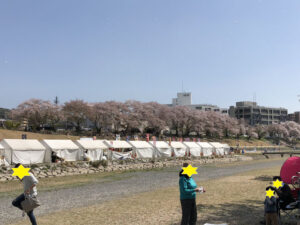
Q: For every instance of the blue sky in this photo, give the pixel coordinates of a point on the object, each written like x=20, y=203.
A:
x=223, y=51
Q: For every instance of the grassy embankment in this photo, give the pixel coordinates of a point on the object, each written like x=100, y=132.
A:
x=236, y=200
x=13, y=134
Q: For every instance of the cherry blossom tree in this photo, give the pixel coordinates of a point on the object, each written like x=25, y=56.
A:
x=77, y=112
x=261, y=131
x=38, y=113
x=100, y=115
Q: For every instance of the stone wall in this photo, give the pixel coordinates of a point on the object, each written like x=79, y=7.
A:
x=76, y=168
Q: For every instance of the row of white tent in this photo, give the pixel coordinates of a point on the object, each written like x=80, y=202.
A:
x=31, y=151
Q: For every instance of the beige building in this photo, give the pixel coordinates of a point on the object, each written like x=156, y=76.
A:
x=185, y=99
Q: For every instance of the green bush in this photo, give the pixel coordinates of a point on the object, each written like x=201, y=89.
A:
x=104, y=163
x=33, y=166
x=11, y=125
x=97, y=163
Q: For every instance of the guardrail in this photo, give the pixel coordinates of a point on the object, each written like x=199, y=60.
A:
x=282, y=153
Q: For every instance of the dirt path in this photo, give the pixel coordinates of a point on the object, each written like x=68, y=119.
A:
x=125, y=185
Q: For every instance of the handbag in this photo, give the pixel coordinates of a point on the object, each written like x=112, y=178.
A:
x=30, y=203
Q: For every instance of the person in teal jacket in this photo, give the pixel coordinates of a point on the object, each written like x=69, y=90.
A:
x=188, y=189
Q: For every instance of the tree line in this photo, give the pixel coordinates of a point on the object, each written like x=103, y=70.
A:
x=137, y=118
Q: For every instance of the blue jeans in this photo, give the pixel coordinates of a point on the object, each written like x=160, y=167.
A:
x=17, y=203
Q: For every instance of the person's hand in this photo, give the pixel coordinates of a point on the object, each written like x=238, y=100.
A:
x=198, y=190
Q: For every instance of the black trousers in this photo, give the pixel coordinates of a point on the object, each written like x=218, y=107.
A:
x=189, y=211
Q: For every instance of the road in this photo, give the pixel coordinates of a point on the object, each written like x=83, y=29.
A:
x=125, y=184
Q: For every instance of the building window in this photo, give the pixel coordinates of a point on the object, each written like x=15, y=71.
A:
x=247, y=111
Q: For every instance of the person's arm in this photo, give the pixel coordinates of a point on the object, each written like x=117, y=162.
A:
x=29, y=189
x=185, y=188
x=34, y=182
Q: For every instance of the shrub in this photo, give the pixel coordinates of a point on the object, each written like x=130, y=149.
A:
x=11, y=125
x=104, y=163
x=95, y=164
x=33, y=166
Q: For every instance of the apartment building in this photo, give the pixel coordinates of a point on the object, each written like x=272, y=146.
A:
x=294, y=117
x=254, y=114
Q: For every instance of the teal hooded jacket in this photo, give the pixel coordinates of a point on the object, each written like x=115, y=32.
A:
x=187, y=187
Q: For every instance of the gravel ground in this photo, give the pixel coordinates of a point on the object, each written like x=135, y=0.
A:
x=126, y=184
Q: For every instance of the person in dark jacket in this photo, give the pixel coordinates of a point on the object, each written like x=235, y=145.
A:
x=284, y=193
x=188, y=189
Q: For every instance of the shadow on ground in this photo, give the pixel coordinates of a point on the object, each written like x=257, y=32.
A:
x=246, y=213
x=264, y=178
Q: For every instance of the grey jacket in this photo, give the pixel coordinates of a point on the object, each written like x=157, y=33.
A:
x=270, y=205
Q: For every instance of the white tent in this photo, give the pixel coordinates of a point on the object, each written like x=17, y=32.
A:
x=65, y=149
x=179, y=149
x=226, y=148
x=162, y=149
x=119, y=149
x=24, y=151
x=142, y=149
x=206, y=148
x=193, y=148
x=93, y=149
x=1, y=150
x=3, y=161
x=218, y=148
